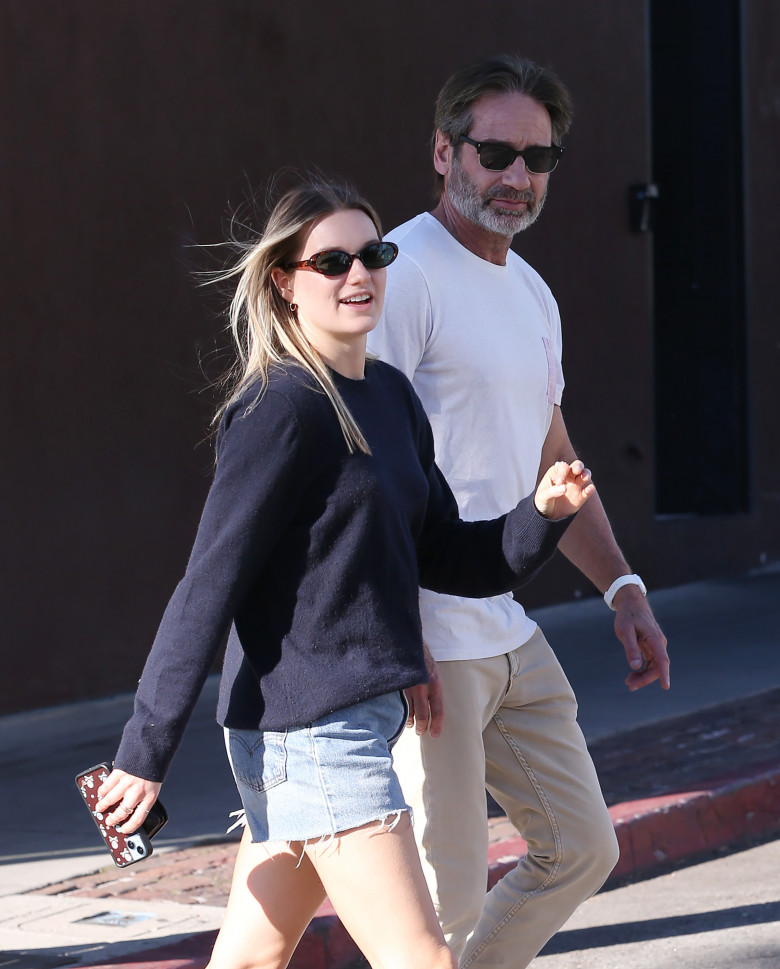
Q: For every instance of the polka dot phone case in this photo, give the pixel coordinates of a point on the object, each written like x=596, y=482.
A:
x=125, y=849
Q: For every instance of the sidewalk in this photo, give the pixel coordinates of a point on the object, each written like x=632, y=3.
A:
x=685, y=773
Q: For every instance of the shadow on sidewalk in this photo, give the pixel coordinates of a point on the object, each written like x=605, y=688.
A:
x=575, y=940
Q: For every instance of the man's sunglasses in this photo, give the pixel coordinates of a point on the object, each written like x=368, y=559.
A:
x=336, y=262
x=497, y=157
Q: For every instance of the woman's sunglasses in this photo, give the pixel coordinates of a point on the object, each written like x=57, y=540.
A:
x=336, y=262
x=497, y=157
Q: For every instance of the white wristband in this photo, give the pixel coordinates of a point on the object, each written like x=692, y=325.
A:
x=619, y=582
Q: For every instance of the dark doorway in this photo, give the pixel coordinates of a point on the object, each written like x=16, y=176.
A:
x=699, y=286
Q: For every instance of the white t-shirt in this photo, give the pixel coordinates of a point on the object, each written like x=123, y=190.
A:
x=482, y=345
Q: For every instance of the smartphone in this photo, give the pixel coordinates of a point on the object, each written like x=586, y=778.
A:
x=125, y=849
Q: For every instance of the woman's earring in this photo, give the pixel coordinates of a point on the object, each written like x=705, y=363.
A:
x=293, y=308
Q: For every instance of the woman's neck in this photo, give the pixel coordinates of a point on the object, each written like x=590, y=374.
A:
x=347, y=358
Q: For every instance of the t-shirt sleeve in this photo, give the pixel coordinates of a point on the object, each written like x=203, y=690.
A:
x=256, y=487
x=406, y=323
x=555, y=348
x=553, y=340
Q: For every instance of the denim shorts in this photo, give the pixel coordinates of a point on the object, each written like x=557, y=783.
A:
x=317, y=780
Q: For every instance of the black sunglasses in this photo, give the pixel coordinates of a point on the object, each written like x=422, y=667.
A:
x=497, y=157
x=336, y=262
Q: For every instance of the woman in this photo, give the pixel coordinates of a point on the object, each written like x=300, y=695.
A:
x=325, y=515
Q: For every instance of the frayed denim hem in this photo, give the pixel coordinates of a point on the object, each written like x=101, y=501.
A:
x=388, y=822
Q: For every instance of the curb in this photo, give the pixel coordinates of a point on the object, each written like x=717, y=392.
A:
x=652, y=833
x=659, y=830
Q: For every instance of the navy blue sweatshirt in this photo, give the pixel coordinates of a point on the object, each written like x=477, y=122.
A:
x=312, y=557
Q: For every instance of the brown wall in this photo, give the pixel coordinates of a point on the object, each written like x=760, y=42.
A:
x=129, y=130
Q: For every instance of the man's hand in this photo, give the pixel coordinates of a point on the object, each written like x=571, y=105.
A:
x=426, y=701
x=642, y=639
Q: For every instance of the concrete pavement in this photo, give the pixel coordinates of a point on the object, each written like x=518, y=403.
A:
x=684, y=772
x=723, y=913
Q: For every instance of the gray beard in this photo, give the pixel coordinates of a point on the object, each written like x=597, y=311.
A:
x=466, y=199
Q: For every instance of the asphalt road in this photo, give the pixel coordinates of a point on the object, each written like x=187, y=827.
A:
x=722, y=639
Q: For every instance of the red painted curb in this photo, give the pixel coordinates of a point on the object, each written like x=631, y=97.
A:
x=656, y=831
x=651, y=833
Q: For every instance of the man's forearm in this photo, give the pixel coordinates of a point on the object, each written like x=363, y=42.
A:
x=590, y=545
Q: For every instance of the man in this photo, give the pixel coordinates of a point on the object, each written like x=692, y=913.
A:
x=478, y=333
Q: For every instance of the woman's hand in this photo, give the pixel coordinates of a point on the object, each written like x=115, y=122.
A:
x=564, y=488
x=126, y=800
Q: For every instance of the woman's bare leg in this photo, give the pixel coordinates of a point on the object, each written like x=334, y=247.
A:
x=375, y=883
x=272, y=900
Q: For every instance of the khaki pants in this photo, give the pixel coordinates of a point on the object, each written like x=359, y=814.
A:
x=509, y=724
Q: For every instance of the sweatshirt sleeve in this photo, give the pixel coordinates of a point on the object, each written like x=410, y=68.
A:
x=480, y=558
x=257, y=484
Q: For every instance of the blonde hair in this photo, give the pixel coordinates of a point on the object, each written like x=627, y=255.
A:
x=263, y=324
